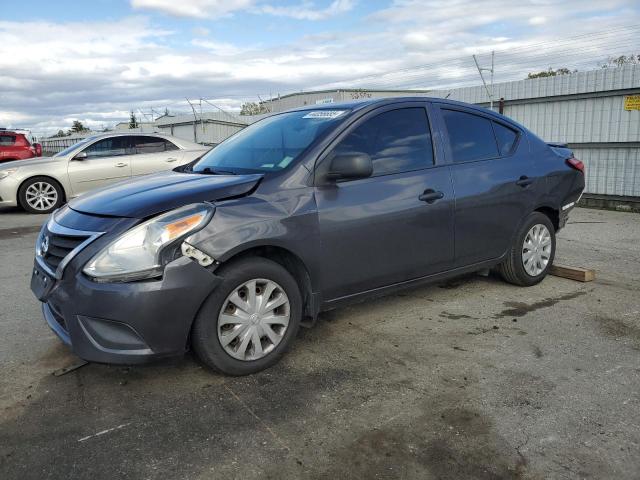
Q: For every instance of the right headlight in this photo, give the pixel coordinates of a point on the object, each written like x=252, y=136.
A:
x=137, y=254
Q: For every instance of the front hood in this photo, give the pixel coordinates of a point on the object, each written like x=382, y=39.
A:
x=32, y=162
x=160, y=192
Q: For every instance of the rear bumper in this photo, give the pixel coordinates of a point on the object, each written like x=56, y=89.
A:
x=129, y=323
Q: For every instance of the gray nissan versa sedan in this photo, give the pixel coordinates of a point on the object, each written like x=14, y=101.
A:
x=298, y=213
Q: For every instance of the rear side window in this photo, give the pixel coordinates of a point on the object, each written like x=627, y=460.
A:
x=397, y=141
x=144, y=144
x=506, y=138
x=7, y=140
x=109, y=147
x=470, y=136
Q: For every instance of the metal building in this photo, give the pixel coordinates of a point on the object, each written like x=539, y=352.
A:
x=210, y=128
x=323, y=97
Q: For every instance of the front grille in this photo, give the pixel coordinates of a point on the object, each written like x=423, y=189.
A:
x=59, y=247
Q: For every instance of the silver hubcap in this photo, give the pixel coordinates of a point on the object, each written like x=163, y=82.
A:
x=41, y=196
x=254, y=319
x=536, y=250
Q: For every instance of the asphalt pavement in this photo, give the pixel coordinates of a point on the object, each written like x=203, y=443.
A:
x=472, y=378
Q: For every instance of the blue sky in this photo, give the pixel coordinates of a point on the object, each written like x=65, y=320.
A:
x=95, y=61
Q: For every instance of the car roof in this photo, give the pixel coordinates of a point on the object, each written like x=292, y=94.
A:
x=179, y=141
x=371, y=103
x=360, y=104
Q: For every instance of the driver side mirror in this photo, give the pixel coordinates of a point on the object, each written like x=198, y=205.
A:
x=350, y=166
x=81, y=156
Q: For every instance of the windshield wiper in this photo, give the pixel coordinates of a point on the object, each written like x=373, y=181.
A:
x=211, y=171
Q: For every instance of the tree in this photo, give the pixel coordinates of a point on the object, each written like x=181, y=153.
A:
x=133, y=121
x=78, y=127
x=613, y=62
x=253, y=108
x=550, y=73
x=59, y=134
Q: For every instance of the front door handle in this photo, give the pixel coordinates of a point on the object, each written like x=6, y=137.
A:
x=524, y=181
x=121, y=164
x=430, y=196
x=172, y=159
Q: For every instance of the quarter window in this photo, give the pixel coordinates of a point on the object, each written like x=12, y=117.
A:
x=470, y=136
x=109, y=147
x=506, y=138
x=397, y=141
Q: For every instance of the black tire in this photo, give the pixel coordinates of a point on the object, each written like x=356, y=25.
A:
x=512, y=269
x=204, y=338
x=22, y=194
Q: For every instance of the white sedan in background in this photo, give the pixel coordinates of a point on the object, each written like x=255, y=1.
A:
x=43, y=184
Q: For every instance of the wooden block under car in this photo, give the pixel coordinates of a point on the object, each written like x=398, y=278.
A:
x=573, y=273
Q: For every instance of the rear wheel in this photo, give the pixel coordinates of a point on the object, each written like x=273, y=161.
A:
x=40, y=195
x=532, y=253
x=250, y=320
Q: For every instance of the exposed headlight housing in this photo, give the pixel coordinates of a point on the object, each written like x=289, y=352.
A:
x=9, y=171
x=138, y=253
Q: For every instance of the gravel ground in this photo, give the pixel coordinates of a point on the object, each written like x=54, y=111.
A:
x=472, y=378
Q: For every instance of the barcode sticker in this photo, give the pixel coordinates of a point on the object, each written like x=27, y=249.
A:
x=324, y=114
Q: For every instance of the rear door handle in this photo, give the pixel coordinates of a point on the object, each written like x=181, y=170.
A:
x=430, y=196
x=121, y=164
x=172, y=159
x=524, y=181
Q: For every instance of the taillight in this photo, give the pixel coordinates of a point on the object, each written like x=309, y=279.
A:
x=575, y=163
x=38, y=149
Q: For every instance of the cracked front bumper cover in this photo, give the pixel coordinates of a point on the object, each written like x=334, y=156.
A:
x=128, y=323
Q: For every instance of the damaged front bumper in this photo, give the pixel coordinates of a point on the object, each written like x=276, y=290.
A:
x=124, y=323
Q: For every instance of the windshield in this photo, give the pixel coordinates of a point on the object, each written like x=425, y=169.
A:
x=271, y=144
x=75, y=146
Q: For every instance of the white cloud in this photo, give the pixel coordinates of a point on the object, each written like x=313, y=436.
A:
x=194, y=8
x=308, y=11
x=98, y=71
x=200, y=31
x=537, y=20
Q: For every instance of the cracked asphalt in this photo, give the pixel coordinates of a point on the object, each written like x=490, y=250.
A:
x=468, y=379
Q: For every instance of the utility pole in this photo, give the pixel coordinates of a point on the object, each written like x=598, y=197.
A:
x=195, y=122
x=480, y=70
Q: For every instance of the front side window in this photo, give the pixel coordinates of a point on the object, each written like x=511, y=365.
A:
x=470, y=136
x=271, y=144
x=109, y=147
x=146, y=144
x=397, y=141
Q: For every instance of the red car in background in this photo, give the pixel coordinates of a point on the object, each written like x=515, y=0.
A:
x=18, y=145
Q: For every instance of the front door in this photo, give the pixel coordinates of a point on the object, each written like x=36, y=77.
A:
x=396, y=225
x=107, y=161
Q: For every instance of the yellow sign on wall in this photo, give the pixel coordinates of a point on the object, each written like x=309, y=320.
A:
x=632, y=102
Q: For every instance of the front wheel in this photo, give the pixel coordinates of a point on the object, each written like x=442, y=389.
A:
x=532, y=253
x=250, y=319
x=40, y=195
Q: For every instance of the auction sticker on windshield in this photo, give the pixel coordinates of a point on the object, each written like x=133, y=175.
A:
x=324, y=114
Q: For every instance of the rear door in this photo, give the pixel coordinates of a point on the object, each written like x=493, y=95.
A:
x=154, y=154
x=379, y=231
x=494, y=179
x=108, y=161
